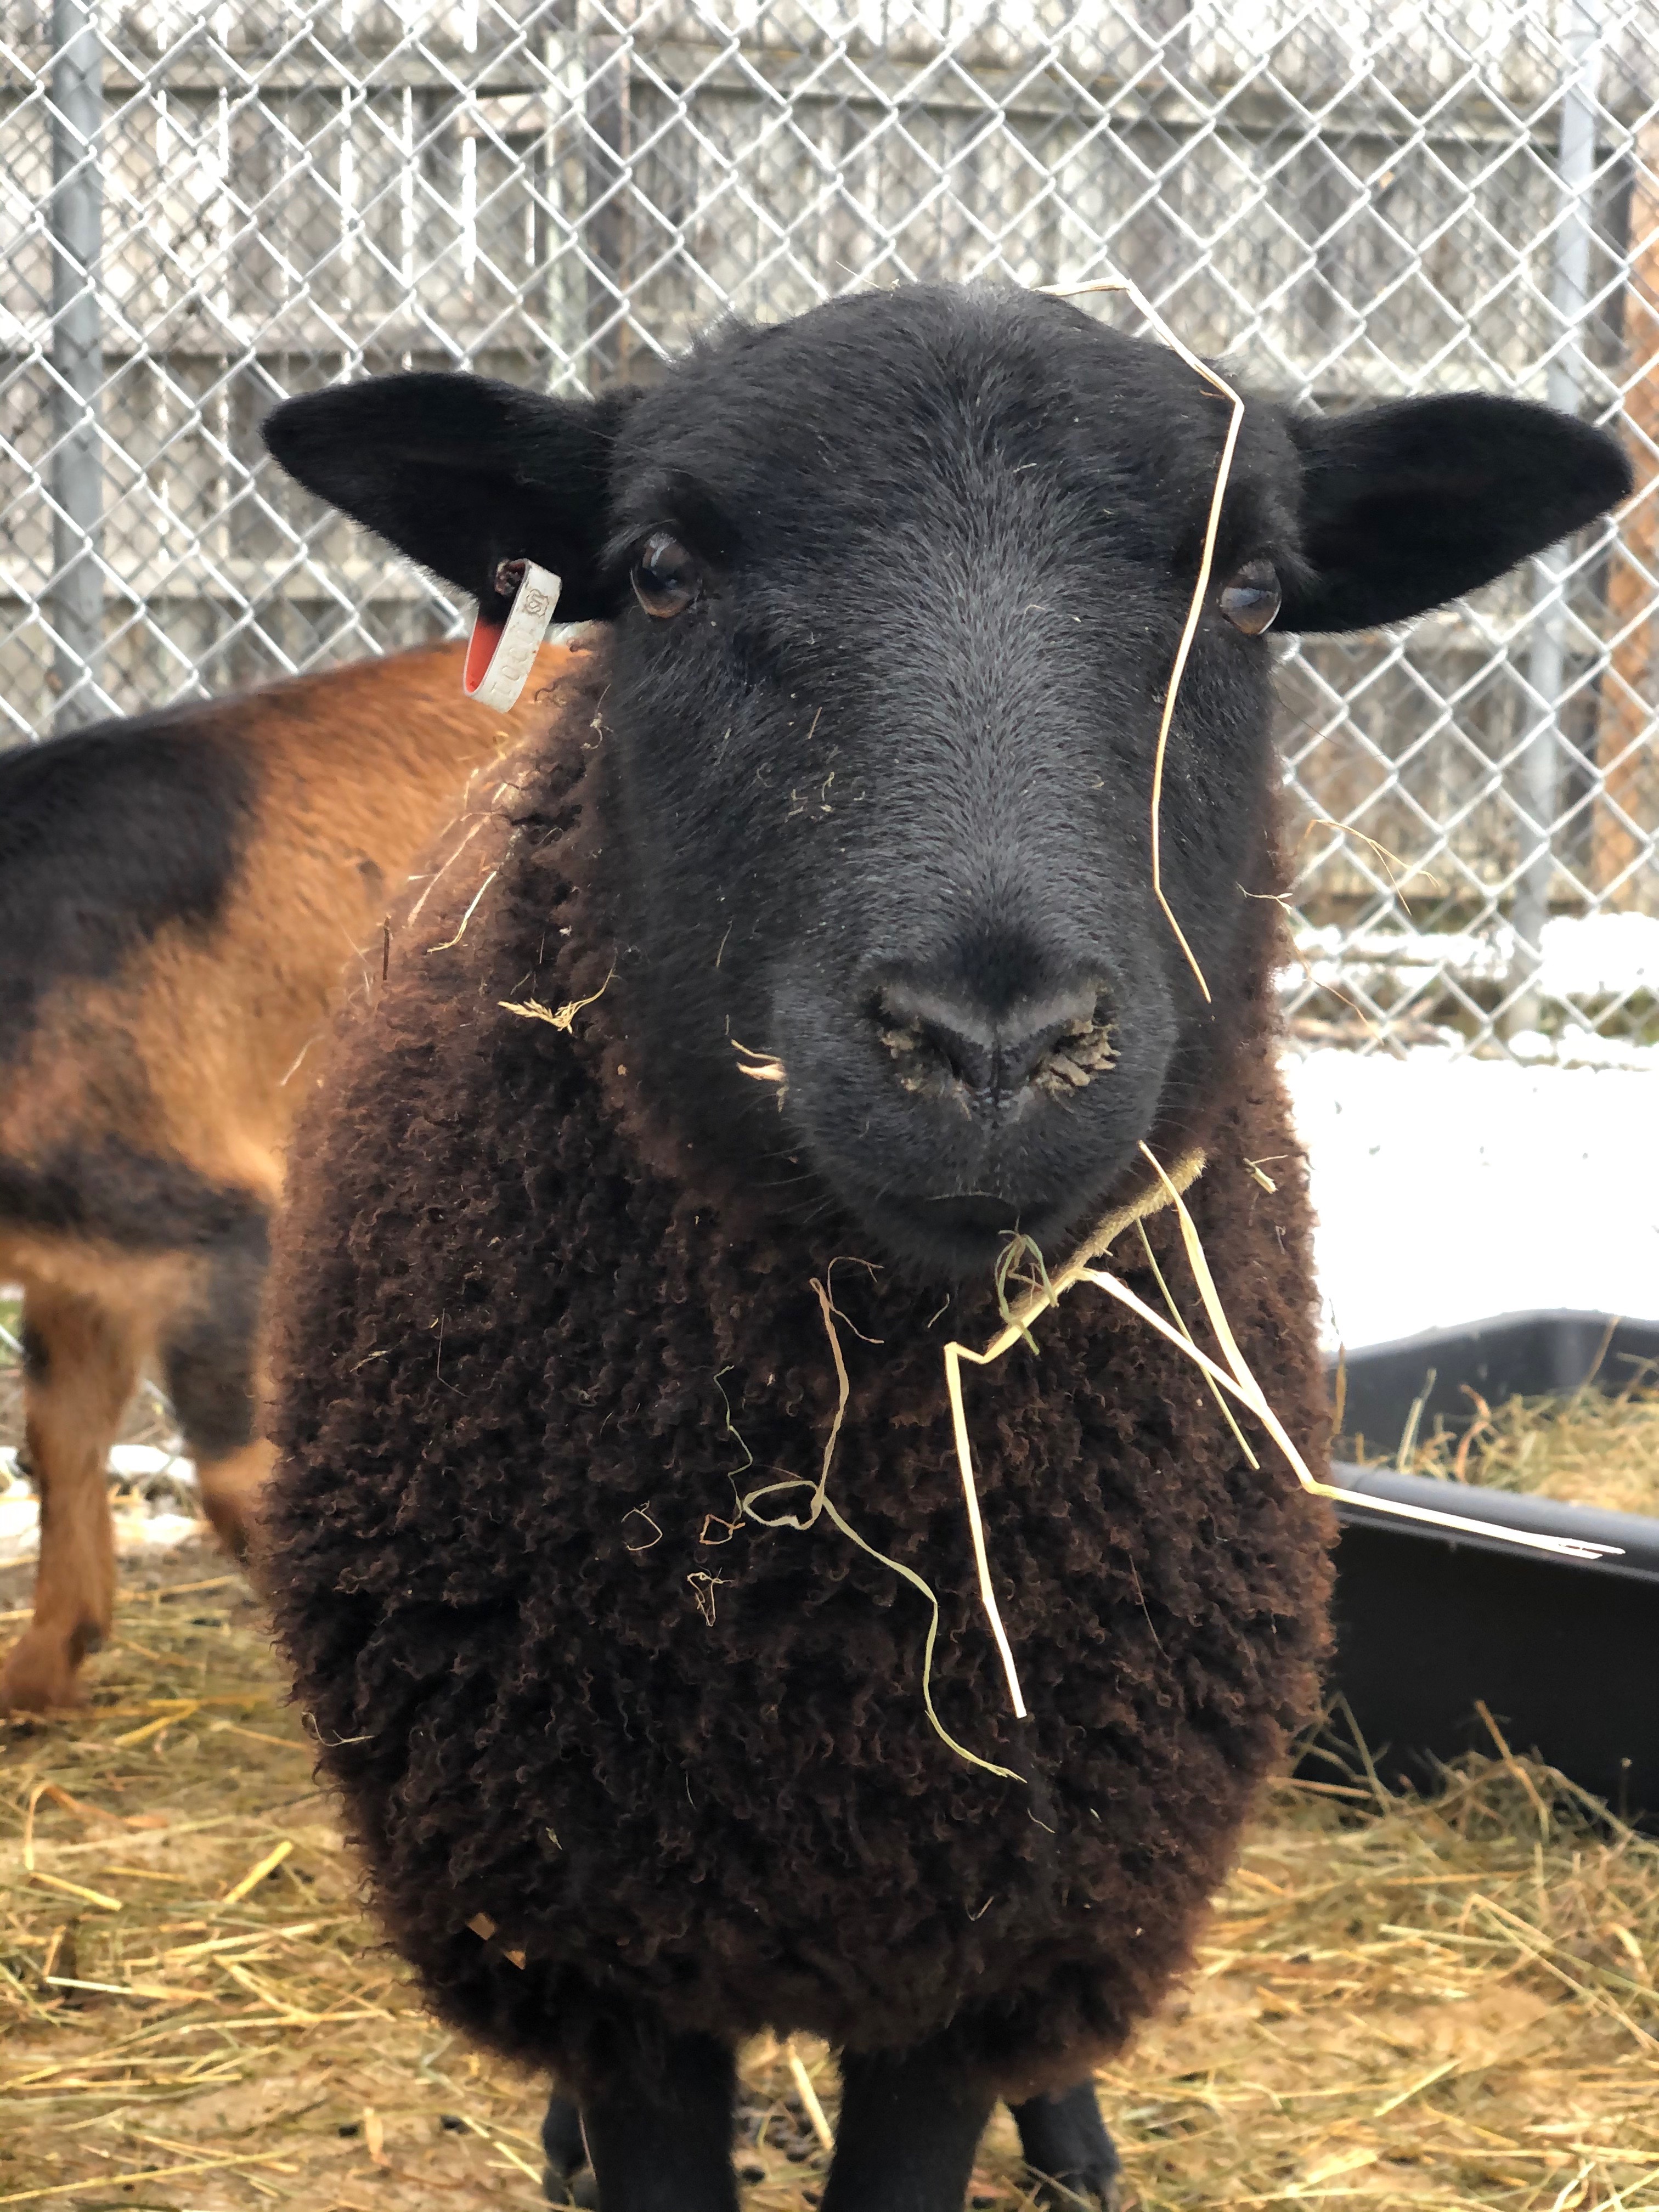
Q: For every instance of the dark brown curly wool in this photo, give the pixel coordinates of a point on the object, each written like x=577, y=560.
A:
x=528, y=1363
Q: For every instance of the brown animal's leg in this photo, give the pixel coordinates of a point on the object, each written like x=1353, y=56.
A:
x=81, y=1362
x=230, y=1493
x=208, y=1355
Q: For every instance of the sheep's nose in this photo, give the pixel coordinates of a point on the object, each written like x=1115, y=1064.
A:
x=941, y=1039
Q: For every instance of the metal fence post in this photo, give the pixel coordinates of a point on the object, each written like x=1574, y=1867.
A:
x=1539, y=780
x=77, y=358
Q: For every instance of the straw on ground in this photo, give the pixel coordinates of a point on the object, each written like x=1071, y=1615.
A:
x=1398, y=2003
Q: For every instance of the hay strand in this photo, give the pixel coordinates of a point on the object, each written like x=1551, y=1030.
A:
x=761, y=1067
x=1176, y=1316
x=954, y=1356
x=1046, y=1292
x=809, y=2096
x=1235, y=1377
x=94, y=1897
x=533, y=1010
x=823, y=1506
x=1243, y=1383
x=449, y=943
x=257, y=1873
x=1144, y=306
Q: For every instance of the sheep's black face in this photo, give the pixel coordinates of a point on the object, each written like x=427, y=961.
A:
x=898, y=589
x=904, y=586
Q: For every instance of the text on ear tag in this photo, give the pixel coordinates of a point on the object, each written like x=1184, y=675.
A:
x=501, y=655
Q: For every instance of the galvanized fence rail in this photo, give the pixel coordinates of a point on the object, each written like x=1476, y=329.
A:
x=203, y=206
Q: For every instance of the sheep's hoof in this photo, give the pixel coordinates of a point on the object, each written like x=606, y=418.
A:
x=1096, y=2187
x=568, y=2179
x=1067, y=2147
x=1099, y=2191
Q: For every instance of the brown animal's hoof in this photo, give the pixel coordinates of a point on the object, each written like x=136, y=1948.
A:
x=39, y=1675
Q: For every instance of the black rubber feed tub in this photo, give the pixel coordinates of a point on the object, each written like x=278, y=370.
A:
x=1564, y=1654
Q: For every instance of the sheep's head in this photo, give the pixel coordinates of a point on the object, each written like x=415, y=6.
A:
x=896, y=590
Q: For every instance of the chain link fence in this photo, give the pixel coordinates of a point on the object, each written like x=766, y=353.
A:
x=205, y=206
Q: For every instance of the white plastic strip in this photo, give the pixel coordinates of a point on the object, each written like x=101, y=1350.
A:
x=501, y=655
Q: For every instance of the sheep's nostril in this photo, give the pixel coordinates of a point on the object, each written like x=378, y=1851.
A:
x=1083, y=1050
x=970, y=1059
x=940, y=1043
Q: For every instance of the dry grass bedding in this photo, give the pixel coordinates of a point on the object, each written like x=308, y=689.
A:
x=1592, y=1447
x=1426, y=2003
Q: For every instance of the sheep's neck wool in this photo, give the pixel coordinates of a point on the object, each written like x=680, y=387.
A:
x=531, y=1351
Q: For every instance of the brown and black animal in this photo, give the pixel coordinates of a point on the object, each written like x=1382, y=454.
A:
x=835, y=876
x=183, y=897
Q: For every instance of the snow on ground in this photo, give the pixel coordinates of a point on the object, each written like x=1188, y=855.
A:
x=1449, y=1188
x=1597, y=956
x=141, y=1525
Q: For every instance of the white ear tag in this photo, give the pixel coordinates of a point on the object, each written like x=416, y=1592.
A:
x=501, y=655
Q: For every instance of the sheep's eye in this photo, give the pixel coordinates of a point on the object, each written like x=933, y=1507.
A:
x=665, y=576
x=1252, y=599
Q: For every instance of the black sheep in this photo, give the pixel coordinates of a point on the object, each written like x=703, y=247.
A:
x=841, y=857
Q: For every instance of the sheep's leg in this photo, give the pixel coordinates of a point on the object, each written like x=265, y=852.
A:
x=909, y=2126
x=563, y=2146
x=81, y=1365
x=1065, y=2143
x=660, y=2134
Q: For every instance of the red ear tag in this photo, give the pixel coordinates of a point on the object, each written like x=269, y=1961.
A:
x=501, y=655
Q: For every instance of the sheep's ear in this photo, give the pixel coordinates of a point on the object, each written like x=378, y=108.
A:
x=462, y=472
x=1404, y=506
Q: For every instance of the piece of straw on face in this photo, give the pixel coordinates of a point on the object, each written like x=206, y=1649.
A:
x=1144, y=306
